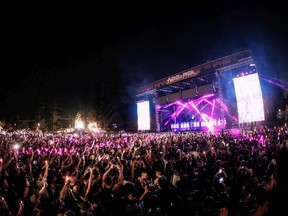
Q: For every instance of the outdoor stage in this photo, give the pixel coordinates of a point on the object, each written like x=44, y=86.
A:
x=203, y=97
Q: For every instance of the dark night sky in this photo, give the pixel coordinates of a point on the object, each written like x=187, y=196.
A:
x=71, y=49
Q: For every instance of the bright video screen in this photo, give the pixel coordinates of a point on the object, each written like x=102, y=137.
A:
x=143, y=115
x=249, y=98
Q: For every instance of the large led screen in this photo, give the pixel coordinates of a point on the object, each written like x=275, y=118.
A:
x=143, y=115
x=249, y=98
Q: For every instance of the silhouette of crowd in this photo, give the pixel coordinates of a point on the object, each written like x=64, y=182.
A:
x=172, y=173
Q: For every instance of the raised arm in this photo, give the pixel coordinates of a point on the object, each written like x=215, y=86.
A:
x=32, y=156
x=106, y=174
x=64, y=190
x=26, y=190
x=5, y=206
x=45, y=175
x=146, y=190
x=71, y=161
x=42, y=190
x=89, y=184
x=76, y=170
x=120, y=178
x=21, y=208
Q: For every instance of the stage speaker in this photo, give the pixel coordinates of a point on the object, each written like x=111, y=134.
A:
x=173, y=97
x=207, y=89
x=190, y=93
x=161, y=100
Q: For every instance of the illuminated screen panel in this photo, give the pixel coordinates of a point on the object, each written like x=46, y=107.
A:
x=249, y=98
x=143, y=115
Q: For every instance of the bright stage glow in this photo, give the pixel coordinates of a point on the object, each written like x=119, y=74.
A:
x=249, y=98
x=143, y=114
x=79, y=124
x=93, y=127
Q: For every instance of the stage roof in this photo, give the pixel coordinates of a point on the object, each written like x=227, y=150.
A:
x=197, y=76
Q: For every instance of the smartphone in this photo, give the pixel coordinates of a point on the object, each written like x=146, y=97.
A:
x=221, y=180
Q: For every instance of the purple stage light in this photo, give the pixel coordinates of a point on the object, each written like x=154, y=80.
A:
x=206, y=112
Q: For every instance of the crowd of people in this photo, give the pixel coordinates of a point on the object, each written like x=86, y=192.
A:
x=171, y=173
